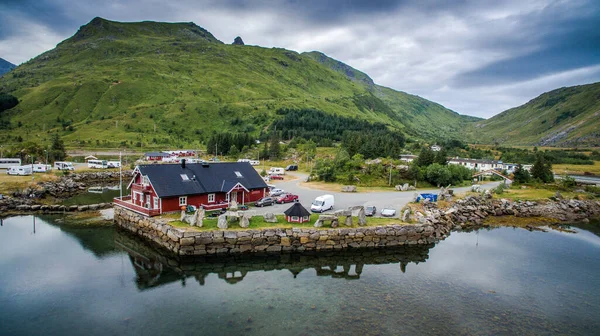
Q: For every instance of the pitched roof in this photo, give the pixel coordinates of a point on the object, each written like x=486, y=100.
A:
x=157, y=154
x=297, y=210
x=198, y=178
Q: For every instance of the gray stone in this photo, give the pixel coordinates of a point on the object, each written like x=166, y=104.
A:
x=270, y=217
x=406, y=215
x=244, y=222
x=222, y=222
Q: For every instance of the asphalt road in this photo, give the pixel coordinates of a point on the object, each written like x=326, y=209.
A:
x=394, y=199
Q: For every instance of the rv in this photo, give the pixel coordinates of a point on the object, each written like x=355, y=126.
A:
x=251, y=162
x=113, y=164
x=42, y=168
x=19, y=170
x=61, y=165
x=322, y=203
x=101, y=164
x=6, y=163
x=276, y=171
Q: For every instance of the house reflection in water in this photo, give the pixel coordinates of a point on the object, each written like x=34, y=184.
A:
x=154, y=268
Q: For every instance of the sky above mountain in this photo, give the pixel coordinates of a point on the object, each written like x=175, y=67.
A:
x=476, y=57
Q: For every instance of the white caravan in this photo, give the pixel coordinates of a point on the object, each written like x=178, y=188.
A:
x=19, y=170
x=41, y=168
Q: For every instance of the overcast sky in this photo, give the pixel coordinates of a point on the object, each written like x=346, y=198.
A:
x=475, y=57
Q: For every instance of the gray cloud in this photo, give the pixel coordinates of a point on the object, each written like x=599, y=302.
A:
x=475, y=57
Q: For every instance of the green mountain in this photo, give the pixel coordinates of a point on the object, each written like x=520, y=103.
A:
x=113, y=84
x=5, y=66
x=565, y=117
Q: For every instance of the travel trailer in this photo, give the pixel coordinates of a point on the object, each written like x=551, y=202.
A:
x=42, y=168
x=19, y=170
x=276, y=171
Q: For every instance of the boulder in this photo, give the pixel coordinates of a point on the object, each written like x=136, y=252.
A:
x=222, y=222
x=244, y=221
x=270, y=217
x=406, y=215
x=349, y=188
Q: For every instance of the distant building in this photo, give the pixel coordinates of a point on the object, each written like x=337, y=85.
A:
x=477, y=164
x=407, y=158
x=157, y=156
x=436, y=148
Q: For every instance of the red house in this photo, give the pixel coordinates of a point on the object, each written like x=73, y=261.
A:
x=156, y=156
x=168, y=187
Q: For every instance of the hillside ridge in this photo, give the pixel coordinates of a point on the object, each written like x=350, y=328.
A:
x=154, y=83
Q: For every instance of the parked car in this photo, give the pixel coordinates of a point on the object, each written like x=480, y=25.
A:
x=264, y=201
x=287, y=198
x=276, y=177
x=370, y=210
x=388, y=212
x=276, y=192
x=291, y=167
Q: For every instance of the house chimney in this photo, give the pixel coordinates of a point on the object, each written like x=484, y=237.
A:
x=183, y=163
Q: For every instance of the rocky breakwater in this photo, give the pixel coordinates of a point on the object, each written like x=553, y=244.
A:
x=473, y=210
x=11, y=205
x=190, y=241
x=100, y=176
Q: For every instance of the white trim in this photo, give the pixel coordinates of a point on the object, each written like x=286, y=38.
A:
x=185, y=200
x=209, y=198
x=134, y=175
x=154, y=203
x=235, y=186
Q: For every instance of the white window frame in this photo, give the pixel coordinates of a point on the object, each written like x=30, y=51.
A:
x=295, y=218
x=145, y=180
x=184, y=198
x=211, y=198
x=155, y=202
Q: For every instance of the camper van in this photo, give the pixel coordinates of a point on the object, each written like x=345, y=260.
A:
x=61, y=165
x=19, y=170
x=252, y=162
x=276, y=171
x=6, y=163
x=322, y=203
x=113, y=164
x=42, y=168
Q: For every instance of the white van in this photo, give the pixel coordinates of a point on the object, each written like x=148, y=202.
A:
x=276, y=171
x=41, y=168
x=113, y=164
x=322, y=203
x=19, y=170
x=61, y=165
x=254, y=162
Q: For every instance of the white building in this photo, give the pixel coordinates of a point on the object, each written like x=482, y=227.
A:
x=436, y=148
x=477, y=164
x=408, y=158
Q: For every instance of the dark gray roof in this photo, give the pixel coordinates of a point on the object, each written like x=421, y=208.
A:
x=201, y=178
x=157, y=154
x=297, y=210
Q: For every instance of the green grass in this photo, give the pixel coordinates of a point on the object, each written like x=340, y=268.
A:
x=173, y=84
x=257, y=222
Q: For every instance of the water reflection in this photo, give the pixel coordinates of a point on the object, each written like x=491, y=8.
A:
x=155, y=268
x=101, y=193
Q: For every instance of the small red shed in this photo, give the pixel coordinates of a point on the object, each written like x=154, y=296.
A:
x=297, y=214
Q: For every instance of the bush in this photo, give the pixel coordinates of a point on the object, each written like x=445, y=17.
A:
x=438, y=175
x=499, y=190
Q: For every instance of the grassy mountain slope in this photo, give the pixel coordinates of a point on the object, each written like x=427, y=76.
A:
x=421, y=117
x=563, y=117
x=5, y=66
x=174, y=83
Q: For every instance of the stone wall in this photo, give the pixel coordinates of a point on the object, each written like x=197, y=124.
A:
x=191, y=242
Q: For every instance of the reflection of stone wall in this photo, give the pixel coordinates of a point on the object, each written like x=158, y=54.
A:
x=155, y=268
x=190, y=242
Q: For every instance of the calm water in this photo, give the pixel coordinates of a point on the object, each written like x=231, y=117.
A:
x=64, y=279
x=97, y=194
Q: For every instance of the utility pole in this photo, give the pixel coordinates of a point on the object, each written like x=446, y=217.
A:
x=120, y=177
